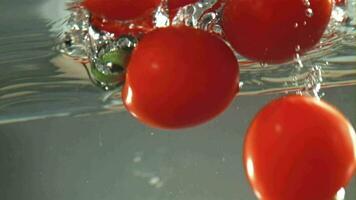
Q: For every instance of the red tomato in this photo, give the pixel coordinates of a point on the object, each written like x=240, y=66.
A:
x=340, y=2
x=179, y=77
x=173, y=4
x=128, y=9
x=120, y=9
x=271, y=30
x=297, y=148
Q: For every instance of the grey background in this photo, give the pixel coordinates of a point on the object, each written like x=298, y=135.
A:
x=115, y=157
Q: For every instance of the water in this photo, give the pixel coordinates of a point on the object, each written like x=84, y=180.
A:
x=37, y=81
x=103, y=154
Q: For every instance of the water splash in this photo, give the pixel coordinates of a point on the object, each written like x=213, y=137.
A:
x=191, y=15
x=41, y=83
x=312, y=83
x=340, y=195
x=161, y=16
x=85, y=43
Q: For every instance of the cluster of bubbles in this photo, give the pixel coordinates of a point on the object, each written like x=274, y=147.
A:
x=312, y=78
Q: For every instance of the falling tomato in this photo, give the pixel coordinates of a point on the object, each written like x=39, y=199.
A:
x=297, y=148
x=274, y=31
x=180, y=77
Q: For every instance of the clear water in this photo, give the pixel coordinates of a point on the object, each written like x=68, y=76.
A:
x=37, y=81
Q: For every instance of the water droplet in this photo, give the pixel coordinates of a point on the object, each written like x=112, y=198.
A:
x=241, y=84
x=263, y=64
x=137, y=158
x=216, y=28
x=299, y=92
x=154, y=180
x=312, y=82
x=299, y=61
x=126, y=42
x=296, y=25
x=297, y=48
x=306, y=3
x=340, y=195
x=309, y=12
x=304, y=23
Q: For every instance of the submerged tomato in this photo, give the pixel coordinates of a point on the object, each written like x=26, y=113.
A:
x=120, y=9
x=173, y=4
x=340, y=2
x=128, y=9
x=273, y=31
x=179, y=77
x=299, y=148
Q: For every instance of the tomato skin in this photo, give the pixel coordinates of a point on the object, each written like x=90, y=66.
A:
x=180, y=77
x=173, y=4
x=128, y=9
x=340, y=2
x=120, y=9
x=298, y=147
x=266, y=30
x=123, y=17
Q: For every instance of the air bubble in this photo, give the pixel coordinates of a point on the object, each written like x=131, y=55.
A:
x=306, y=3
x=137, y=159
x=297, y=48
x=309, y=12
x=312, y=83
x=156, y=182
x=299, y=61
x=263, y=64
x=241, y=84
